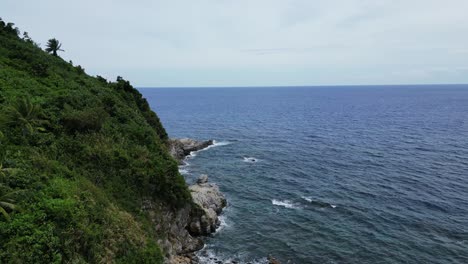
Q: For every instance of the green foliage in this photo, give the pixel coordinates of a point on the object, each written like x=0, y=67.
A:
x=2, y=150
x=8, y=28
x=146, y=255
x=80, y=70
x=86, y=120
x=22, y=114
x=78, y=155
x=101, y=79
x=134, y=95
x=6, y=201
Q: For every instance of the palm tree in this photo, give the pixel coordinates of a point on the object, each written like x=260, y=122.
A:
x=23, y=113
x=6, y=202
x=53, y=45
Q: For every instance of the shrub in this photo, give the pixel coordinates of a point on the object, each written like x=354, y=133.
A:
x=87, y=120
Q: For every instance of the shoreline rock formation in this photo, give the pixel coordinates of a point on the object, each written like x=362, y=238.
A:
x=181, y=148
x=187, y=225
x=211, y=201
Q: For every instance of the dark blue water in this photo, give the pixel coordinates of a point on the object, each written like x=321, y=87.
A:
x=342, y=174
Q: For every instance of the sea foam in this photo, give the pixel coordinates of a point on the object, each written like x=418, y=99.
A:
x=207, y=256
x=223, y=223
x=193, y=154
x=183, y=171
x=250, y=159
x=284, y=203
x=217, y=144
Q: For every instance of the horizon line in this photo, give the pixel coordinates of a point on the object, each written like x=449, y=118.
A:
x=301, y=86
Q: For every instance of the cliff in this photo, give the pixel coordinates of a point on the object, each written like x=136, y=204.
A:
x=85, y=170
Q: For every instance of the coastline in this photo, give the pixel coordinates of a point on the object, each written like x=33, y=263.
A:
x=208, y=201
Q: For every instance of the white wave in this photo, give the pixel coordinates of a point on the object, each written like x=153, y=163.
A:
x=284, y=203
x=183, y=171
x=209, y=257
x=250, y=159
x=206, y=256
x=193, y=154
x=307, y=198
x=216, y=144
x=222, y=143
x=222, y=223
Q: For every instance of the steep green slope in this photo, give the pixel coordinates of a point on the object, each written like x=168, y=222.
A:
x=78, y=157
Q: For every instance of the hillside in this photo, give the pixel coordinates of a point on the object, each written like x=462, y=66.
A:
x=79, y=156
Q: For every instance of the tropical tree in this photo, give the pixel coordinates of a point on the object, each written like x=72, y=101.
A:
x=8, y=27
x=53, y=45
x=24, y=114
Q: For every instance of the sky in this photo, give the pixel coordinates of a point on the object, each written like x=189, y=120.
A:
x=214, y=43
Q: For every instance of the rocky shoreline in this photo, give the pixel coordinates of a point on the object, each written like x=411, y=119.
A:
x=202, y=220
x=179, y=148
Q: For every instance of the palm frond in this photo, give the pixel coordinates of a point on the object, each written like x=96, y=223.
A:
x=8, y=205
x=5, y=214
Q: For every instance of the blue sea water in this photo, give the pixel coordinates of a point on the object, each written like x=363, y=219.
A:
x=341, y=174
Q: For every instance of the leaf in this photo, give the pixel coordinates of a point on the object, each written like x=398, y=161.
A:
x=5, y=214
x=7, y=205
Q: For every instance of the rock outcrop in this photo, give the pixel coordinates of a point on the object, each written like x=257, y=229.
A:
x=175, y=239
x=180, y=148
x=210, y=202
x=186, y=225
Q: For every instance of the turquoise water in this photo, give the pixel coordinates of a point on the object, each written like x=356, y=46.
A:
x=341, y=174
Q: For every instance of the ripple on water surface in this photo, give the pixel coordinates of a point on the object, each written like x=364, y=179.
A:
x=341, y=174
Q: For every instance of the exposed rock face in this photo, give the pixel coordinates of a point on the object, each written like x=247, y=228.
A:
x=185, y=259
x=176, y=239
x=180, y=148
x=183, y=227
x=211, y=202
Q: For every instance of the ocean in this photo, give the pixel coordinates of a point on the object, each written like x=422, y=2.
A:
x=352, y=174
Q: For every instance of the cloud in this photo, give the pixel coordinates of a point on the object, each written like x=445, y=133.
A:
x=262, y=42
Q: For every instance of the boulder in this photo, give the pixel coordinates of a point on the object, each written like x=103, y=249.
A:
x=202, y=179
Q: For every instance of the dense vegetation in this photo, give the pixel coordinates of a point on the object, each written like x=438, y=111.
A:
x=78, y=155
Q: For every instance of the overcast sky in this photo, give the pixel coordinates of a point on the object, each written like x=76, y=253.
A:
x=255, y=42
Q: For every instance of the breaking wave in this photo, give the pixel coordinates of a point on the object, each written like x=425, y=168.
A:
x=207, y=256
x=284, y=203
x=250, y=159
